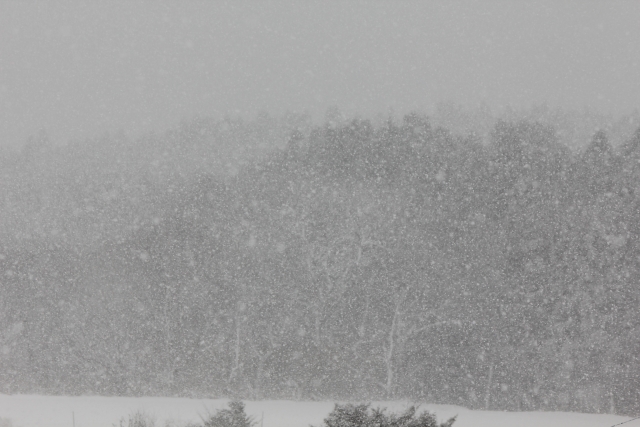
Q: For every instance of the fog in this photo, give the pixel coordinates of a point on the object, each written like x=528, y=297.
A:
x=77, y=69
x=317, y=201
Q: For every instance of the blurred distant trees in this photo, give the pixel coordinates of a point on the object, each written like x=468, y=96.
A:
x=275, y=258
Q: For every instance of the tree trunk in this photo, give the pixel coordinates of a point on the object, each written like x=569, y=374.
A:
x=487, y=394
x=389, y=354
x=236, y=360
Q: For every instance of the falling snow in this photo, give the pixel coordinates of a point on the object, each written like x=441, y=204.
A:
x=319, y=202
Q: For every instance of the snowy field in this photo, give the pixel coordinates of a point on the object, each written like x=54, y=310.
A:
x=49, y=411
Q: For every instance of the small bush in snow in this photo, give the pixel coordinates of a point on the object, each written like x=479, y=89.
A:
x=362, y=416
x=232, y=417
x=138, y=419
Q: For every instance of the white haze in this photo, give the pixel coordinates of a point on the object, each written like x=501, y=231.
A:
x=77, y=69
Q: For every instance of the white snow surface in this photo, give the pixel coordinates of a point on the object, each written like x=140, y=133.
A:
x=96, y=411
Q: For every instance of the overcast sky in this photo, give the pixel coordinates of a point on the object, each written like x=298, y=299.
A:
x=77, y=69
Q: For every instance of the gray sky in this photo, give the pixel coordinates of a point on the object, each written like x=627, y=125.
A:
x=80, y=68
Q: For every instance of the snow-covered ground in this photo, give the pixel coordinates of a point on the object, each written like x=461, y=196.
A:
x=55, y=411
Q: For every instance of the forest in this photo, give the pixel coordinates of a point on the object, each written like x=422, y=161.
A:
x=354, y=259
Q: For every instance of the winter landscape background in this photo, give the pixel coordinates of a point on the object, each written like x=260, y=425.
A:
x=321, y=201
x=356, y=261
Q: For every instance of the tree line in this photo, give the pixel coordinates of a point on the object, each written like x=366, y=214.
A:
x=348, y=260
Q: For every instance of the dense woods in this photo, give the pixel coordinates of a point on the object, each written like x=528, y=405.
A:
x=351, y=260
